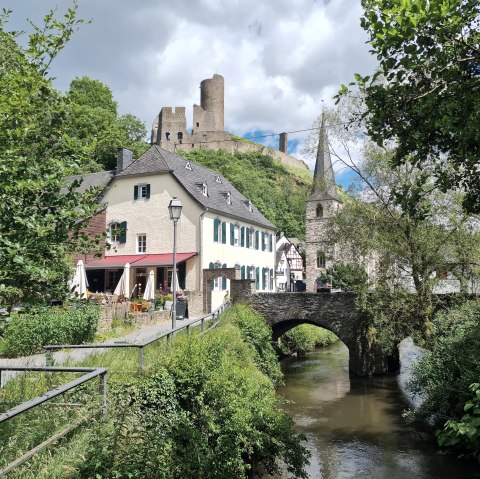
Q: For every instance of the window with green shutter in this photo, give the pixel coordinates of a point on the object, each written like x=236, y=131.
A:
x=232, y=234
x=270, y=242
x=264, y=243
x=242, y=236
x=257, y=278
x=257, y=239
x=216, y=226
x=248, y=237
x=123, y=232
x=242, y=272
x=224, y=232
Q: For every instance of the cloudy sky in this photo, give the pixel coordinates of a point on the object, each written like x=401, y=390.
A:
x=279, y=58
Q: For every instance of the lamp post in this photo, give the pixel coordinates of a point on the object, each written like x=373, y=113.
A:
x=175, y=210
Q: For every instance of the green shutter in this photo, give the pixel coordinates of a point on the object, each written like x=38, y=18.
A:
x=248, y=272
x=123, y=232
x=215, y=230
x=232, y=234
x=211, y=266
x=257, y=239
x=263, y=241
x=242, y=236
x=224, y=278
x=224, y=232
x=271, y=242
x=148, y=191
x=248, y=237
x=135, y=192
x=242, y=272
x=257, y=278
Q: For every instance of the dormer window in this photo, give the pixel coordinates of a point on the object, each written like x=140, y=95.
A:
x=204, y=189
x=218, y=179
x=248, y=205
x=229, y=198
x=188, y=166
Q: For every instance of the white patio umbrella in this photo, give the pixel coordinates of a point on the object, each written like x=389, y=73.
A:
x=79, y=282
x=149, y=293
x=179, y=290
x=123, y=286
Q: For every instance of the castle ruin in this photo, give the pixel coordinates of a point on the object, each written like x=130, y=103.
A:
x=169, y=129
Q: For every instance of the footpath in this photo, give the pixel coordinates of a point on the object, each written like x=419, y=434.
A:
x=77, y=355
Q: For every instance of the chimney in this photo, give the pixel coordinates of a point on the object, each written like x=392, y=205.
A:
x=283, y=144
x=124, y=159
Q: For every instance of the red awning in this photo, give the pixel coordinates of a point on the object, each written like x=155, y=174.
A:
x=138, y=260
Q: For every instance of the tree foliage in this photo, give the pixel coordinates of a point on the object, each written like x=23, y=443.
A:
x=279, y=193
x=96, y=128
x=40, y=213
x=429, y=101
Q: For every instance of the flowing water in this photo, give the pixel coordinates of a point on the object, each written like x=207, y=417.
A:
x=354, y=426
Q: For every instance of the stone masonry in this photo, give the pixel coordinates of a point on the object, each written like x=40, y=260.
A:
x=169, y=129
x=335, y=312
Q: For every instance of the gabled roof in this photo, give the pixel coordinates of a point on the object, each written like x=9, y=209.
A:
x=156, y=160
x=100, y=179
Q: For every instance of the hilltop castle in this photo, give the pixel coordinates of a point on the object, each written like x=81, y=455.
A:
x=169, y=129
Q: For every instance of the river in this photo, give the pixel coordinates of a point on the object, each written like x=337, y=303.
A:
x=354, y=426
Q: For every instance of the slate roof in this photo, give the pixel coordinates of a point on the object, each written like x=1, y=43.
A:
x=100, y=179
x=157, y=160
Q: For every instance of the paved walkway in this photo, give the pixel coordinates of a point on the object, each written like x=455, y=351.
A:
x=77, y=355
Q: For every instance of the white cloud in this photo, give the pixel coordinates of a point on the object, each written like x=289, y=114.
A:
x=279, y=58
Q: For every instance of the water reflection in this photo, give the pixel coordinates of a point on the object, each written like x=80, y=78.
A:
x=354, y=426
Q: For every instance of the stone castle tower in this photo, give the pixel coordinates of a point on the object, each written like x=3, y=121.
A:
x=321, y=204
x=169, y=129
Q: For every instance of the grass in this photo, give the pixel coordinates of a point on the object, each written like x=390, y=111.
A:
x=29, y=429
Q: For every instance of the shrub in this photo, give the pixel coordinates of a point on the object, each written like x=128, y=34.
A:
x=463, y=436
x=28, y=333
x=305, y=338
x=451, y=365
x=207, y=412
x=258, y=334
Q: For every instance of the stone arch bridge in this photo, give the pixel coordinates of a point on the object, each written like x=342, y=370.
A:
x=335, y=312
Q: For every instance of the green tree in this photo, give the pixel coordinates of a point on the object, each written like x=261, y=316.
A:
x=429, y=101
x=96, y=128
x=41, y=213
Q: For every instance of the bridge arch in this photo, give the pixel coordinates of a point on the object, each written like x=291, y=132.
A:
x=334, y=312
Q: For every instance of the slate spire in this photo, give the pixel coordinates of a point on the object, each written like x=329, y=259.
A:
x=324, y=177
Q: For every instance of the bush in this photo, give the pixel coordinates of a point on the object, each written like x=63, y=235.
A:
x=305, y=338
x=207, y=412
x=464, y=436
x=451, y=365
x=28, y=333
x=258, y=334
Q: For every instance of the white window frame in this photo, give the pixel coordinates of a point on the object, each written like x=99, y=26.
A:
x=142, y=191
x=141, y=243
x=114, y=238
x=252, y=238
x=236, y=235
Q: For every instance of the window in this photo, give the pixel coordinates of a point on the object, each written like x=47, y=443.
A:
x=242, y=236
x=242, y=272
x=118, y=232
x=250, y=233
x=321, y=259
x=167, y=135
x=142, y=243
x=198, y=124
x=257, y=278
x=218, y=179
x=271, y=280
x=248, y=205
x=188, y=166
x=204, y=189
x=264, y=278
x=229, y=198
x=234, y=234
x=264, y=241
x=141, y=192
x=217, y=232
x=319, y=211
x=180, y=135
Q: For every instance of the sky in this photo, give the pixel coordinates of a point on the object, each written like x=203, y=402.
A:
x=281, y=59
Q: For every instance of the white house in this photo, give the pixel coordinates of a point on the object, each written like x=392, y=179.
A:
x=289, y=264
x=218, y=228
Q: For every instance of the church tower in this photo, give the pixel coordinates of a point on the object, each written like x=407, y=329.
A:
x=321, y=204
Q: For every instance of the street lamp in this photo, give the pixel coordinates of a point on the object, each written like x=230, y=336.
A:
x=175, y=210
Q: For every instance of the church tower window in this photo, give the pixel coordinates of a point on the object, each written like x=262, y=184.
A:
x=319, y=211
x=321, y=259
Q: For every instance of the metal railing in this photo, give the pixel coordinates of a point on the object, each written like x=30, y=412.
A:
x=89, y=375
x=213, y=316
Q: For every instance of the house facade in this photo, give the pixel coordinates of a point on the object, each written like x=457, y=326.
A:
x=289, y=264
x=219, y=228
